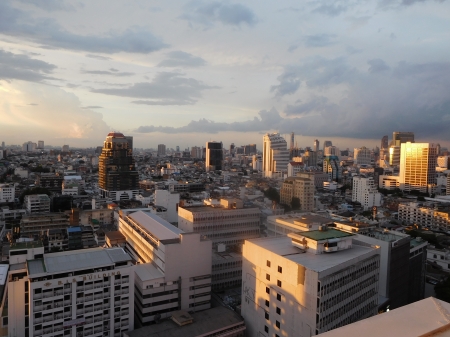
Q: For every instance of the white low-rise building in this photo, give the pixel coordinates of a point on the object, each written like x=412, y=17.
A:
x=7, y=192
x=365, y=192
x=37, y=203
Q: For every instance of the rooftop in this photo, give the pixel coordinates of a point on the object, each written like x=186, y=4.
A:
x=325, y=234
x=282, y=246
x=206, y=321
x=76, y=260
x=428, y=317
x=200, y=209
x=157, y=226
x=147, y=272
x=25, y=245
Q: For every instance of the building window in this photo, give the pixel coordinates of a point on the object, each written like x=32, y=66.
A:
x=268, y=263
x=279, y=297
x=279, y=283
x=278, y=311
x=267, y=277
x=280, y=269
x=266, y=315
x=267, y=290
x=277, y=324
x=266, y=328
x=267, y=303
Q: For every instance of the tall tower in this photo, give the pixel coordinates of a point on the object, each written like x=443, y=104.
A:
x=418, y=163
x=214, y=156
x=275, y=155
x=161, y=150
x=117, y=175
x=384, y=142
x=316, y=145
x=292, y=141
x=400, y=137
x=327, y=143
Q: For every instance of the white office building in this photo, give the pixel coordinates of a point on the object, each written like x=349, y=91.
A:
x=37, y=203
x=77, y=293
x=307, y=283
x=275, y=156
x=174, y=267
x=7, y=192
x=365, y=192
x=170, y=202
x=362, y=156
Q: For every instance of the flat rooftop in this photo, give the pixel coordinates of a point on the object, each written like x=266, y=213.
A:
x=428, y=317
x=76, y=260
x=25, y=245
x=206, y=321
x=324, y=234
x=283, y=246
x=148, y=272
x=199, y=209
x=155, y=225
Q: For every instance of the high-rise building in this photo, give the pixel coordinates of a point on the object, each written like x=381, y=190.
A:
x=417, y=166
x=332, y=167
x=400, y=137
x=29, y=146
x=327, y=143
x=365, y=192
x=331, y=151
x=40, y=144
x=362, y=156
x=250, y=149
x=307, y=283
x=301, y=188
x=316, y=145
x=86, y=292
x=384, y=142
x=232, y=149
x=161, y=150
x=275, y=155
x=65, y=148
x=214, y=156
x=196, y=152
x=117, y=176
x=291, y=146
x=173, y=269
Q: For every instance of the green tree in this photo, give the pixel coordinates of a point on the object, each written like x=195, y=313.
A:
x=272, y=194
x=295, y=203
x=34, y=190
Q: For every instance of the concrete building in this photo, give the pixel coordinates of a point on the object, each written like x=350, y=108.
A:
x=294, y=167
x=34, y=225
x=316, y=147
x=196, y=152
x=417, y=166
x=294, y=286
x=218, y=321
x=280, y=225
x=229, y=223
x=51, y=181
x=365, y=192
x=22, y=172
x=331, y=151
x=65, y=148
x=275, y=155
x=29, y=146
x=428, y=317
x=77, y=293
x=439, y=258
x=161, y=150
x=298, y=187
x=174, y=267
x=170, y=202
x=317, y=177
x=214, y=156
x=7, y=192
x=40, y=144
x=37, y=203
x=424, y=215
x=309, y=158
x=117, y=175
x=332, y=167
x=362, y=156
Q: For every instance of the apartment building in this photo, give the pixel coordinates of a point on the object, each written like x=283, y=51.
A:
x=7, y=192
x=78, y=293
x=174, y=267
x=425, y=215
x=37, y=203
x=51, y=181
x=301, y=188
x=307, y=283
x=280, y=225
x=365, y=192
x=229, y=223
x=33, y=225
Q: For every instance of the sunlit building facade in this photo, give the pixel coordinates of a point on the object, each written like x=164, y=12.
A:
x=275, y=155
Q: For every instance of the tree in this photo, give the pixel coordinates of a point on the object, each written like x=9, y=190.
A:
x=34, y=190
x=272, y=194
x=295, y=203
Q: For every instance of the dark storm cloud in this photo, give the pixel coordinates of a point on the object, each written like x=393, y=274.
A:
x=110, y=72
x=22, y=67
x=206, y=13
x=49, y=33
x=314, y=105
x=167, y=88
x=182, y=59
x=319, y=40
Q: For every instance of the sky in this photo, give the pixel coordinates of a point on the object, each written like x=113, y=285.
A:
x=186, y=72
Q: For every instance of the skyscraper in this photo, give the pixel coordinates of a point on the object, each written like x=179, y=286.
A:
x=275, y=155
x=291, y=147
x=417, y=166
x=40, y=144
x=214, y=156
x=161, y=150
x=400, y=137
x=117, y=176
x=326, y=144
x=232, y=150
x=316, y=145
x=384, y=142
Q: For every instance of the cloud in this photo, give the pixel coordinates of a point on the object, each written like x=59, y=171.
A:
x=314, y=105
x=49, y=33
x=182, y=59
x=98, y=57
x=394, y=4
x=377, y=65
x=111, y=72
x=167, y=88
x=331, y=9
x=319, y=40
x=22, y=67
x=92, y=107
x=50, y=5
x=33, y=104
x=207, y=13
x=317, y=72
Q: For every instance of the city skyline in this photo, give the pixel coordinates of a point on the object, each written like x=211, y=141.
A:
x=72, y=71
